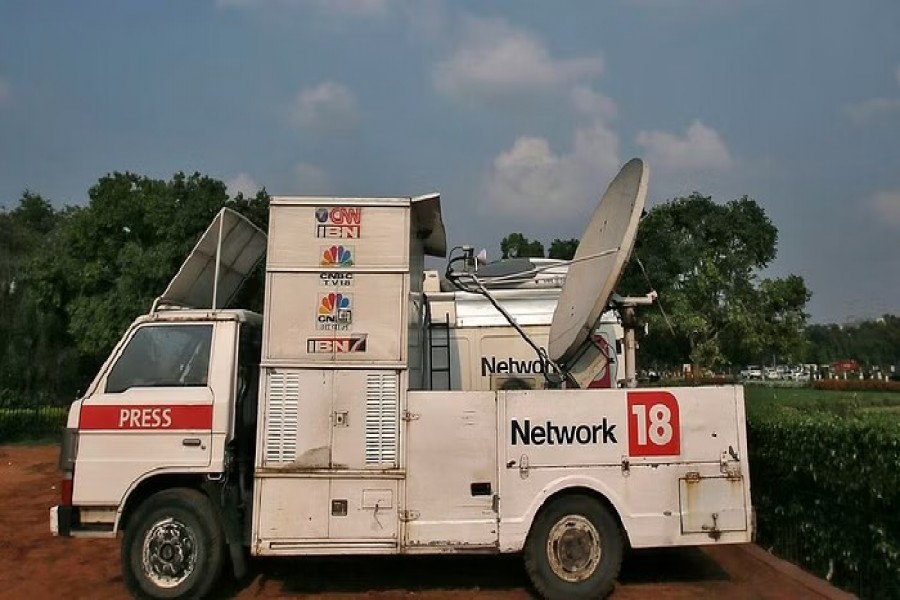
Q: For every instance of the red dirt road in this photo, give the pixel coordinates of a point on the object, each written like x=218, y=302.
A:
x=35, y=565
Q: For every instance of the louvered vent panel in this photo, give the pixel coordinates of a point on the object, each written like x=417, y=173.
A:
x=382, y=419
x=282, y=418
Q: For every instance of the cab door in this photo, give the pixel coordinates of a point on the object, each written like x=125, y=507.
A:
x=152, y=409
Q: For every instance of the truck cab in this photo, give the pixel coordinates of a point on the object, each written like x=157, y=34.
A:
x=178, y=386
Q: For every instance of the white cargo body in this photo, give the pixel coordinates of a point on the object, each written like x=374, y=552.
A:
x=472, y=347
x=348, y=446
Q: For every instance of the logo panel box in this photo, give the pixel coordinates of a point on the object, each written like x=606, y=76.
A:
x=336, y=317
x=373, y=238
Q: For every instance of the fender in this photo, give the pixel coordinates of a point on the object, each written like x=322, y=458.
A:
x=176, y=476
x=514, y=530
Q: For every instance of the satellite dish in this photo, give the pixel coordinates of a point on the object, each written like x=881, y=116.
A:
x=599, y=261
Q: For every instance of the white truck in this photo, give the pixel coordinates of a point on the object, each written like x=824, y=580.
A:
x=212, y=434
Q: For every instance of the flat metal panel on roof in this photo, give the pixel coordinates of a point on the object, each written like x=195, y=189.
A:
x=241, y=247
x=428, y=225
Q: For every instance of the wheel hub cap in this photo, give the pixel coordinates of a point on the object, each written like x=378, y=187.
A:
x=169, y=553
x=573, y=548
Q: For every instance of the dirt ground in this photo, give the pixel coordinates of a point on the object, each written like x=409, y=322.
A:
x=37, y=565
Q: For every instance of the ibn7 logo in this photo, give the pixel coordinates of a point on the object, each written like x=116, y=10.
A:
x=654, y=424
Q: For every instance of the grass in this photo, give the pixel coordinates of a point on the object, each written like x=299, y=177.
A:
x=759, y=399
x=32, y=425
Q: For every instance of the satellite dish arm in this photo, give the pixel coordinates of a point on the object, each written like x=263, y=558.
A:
x=631, y=301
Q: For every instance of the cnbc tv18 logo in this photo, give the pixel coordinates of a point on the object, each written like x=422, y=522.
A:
x=336, y=257
x=338, y=222
x=335, y=312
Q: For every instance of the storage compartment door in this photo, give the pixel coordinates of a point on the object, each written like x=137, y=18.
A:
x=366, y=420
x=712, y=504
x=296, y=411
x=452, y=473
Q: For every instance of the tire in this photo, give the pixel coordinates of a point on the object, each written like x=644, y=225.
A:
x=173, y=546
x=574, y=550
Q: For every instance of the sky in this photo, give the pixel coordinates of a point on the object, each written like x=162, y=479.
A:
x=518, y=112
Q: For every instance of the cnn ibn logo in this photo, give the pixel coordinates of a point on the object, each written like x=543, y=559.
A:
x=335, y=312
x=355, y=342
x=338, y=222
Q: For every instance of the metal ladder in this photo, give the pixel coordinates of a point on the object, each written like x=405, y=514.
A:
x=439, y=353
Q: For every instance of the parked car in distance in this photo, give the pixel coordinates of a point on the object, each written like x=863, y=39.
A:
x=752, y=372
x=799, y=373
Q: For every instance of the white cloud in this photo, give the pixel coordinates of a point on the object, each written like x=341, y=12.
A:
x=243, y=183
x=873, y=108
x=328, y=106
x=530, y=181
x=701, y=148
x=353, y=8
x=493, y=57
x=886, y=205
x=310, y=179
x=350, y=8
x=686, y=6
x=593, y=104
x=428, y=20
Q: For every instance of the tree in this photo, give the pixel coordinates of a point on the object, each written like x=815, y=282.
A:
x=875, y=342
x=106, y=262
x=781, y=311
x=32, y=345
x=704, y=258
x=516, y=245
x=563, y=249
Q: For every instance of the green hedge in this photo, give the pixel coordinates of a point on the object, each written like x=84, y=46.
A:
x=32, y=424
x=826, y=488
x=857, y=385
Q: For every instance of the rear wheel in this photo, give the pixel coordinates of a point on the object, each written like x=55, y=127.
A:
x=173, y=546
x=574, y=550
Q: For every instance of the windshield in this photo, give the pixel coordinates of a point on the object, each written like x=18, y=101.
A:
x=162, y=355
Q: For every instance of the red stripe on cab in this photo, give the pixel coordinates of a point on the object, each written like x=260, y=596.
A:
x=156, y=417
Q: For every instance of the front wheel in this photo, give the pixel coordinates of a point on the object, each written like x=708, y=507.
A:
x=574, y=550
x=173, y=546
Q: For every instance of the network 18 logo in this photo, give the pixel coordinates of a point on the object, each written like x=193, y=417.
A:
x=338, y=222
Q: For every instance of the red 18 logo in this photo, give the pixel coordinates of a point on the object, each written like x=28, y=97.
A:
x=654, y=426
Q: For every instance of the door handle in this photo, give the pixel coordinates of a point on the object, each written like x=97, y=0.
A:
x=193, y=442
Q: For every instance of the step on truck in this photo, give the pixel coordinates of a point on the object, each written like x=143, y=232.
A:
x=213, y=435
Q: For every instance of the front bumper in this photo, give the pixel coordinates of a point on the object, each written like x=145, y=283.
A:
x=61, y=520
